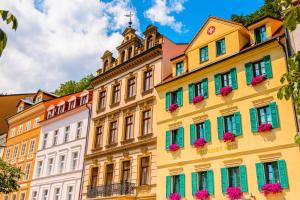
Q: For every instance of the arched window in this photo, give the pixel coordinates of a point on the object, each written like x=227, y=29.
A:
x=150, y=42
x=123, y=56
x=130, y=52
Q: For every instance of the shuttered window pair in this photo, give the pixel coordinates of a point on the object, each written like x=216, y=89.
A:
x=175, y=184
x=200, y=130
x=198, y=89
x=267, y=114
x=272, y=172
x=234, y=177
x=226, y=79
x=231, y=123
x=262, y=67
x=203, y=181
x=175, y=137
x=174, y=97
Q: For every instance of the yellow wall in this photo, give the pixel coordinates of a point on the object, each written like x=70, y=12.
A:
x=249, y=148
x=25, y=136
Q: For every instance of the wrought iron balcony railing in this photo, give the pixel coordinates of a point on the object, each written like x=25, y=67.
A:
x=115, y=189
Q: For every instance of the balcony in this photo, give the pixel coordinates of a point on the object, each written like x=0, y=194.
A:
x=115, y=189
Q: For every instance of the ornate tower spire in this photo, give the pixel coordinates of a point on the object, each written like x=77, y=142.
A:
x=130, y=19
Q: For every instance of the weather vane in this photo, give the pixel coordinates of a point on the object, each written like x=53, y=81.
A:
x=130, y=20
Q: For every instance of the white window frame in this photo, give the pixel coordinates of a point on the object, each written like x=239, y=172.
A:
x=39, y=168
x=36, y=122
x=72, y=168
x=79, y=130
x=15, y=152
x=28, y=126
x=23, y=148
x=31, y=147
x=60, y=168
x=45, y=197
x=34, y=197
x=44, y=142
x=23, y=193
x=71, y=101
x=56, y=195
x=68, y=193
x=20, y=129
x=55, y=137
x=50, y=171
x=67, y=134
x=27, y=171
x=7, y=153
x=12, y=132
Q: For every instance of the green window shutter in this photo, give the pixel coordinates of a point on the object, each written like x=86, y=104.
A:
x=268, y=66
x=168, y=99
x=234, y=78
x=210, y=177
x=217, y=83
x=224, y=177
x=238, y=123
x=182, y=185
x=220, y=127
x=283, y=178
x=243, y=177
x=191, y=92
x=260, y=175
x=181, y=137
x=194, y=183
x=192, y=134
x=168, y=139
x=249, y=74
x=179, y=96
x=168, y=186
x=274, y=114
x=207, y=136
x=205, y=88
x=253, y=119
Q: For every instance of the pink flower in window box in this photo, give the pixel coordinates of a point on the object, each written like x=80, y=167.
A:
x=228, y=137
x=202, y=194
x=197, y=99
x=199, y=143
x=225, y=90
x=258, y=79
x=271, y=188
x=234, y=193
x=173, y=107
x=174, y=196
x=174, y=147
x=264, y=127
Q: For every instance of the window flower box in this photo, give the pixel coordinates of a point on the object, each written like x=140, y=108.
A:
x=234, y=193
x=265, y=127
x=225, y=90
x=174, y=196
x=202, y=195
x=271, y=188
x=197, y=99
x=199, y=143
x=174, y=147
x=173, y=107
x=228, y=137
x=258, y=79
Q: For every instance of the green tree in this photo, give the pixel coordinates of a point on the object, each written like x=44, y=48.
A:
x=9, y=176
x=8, y=18
x=71, y=86
x=291, y=13
x=270, y=8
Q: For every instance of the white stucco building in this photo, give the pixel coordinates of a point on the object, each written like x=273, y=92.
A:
x=60, y=157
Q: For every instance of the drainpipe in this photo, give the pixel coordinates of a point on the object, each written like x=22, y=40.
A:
x=287, y=68
x=86, y=148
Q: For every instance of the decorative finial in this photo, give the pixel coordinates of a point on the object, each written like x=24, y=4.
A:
x=130, y=20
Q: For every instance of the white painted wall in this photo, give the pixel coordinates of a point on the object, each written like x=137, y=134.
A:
x=69, y=176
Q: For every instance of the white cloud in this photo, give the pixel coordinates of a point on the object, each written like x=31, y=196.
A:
x=162, y=10
x=61, y=40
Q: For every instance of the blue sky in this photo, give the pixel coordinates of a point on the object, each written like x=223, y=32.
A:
x=61, y=40
x=195, y=13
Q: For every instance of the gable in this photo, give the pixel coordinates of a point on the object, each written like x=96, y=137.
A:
x=213, y=29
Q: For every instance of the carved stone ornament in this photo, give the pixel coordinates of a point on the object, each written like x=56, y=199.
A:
x=109, y=158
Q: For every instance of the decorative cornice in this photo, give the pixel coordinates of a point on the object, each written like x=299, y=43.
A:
x=119, y=149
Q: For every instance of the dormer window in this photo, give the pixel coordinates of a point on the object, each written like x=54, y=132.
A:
x=130, y=53
x=123, y=56
x=260, y=34
x=38, y=99
x=150, y=42
x=51, y=113
x=84, y=99
x=179, y=68
x=61, y=109
x=20, y=108
x=221, y=48
x=72, y=104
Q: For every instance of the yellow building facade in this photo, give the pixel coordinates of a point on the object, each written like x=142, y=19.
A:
x=22, y=140
x=220, y=125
